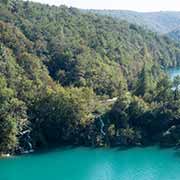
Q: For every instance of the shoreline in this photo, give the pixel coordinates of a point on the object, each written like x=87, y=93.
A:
x=8, y=155
x=5, y=155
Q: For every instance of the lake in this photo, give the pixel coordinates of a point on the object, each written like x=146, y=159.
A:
x=94, y=164
x=173, y=72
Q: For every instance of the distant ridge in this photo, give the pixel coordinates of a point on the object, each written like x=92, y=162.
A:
x=161, y=22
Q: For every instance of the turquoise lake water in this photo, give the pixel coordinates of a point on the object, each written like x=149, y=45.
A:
x=94, y=164
x=174, y=72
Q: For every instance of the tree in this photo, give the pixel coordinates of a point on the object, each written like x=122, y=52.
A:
x=119, y=112
x=137, y=108
x=145, y=83
x=13, y=118
x=57, y=115
x=163, y=91
x=14, y=6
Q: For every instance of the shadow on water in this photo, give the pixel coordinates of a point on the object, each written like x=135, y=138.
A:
x=177, y=152
x=52, y=149
x=124, y=148
x=62, y=148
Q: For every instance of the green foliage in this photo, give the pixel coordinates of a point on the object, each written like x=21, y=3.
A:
x=145, y=83
x=59, y=66
x=77, y=47
x=13, y=118
x=57, y=116
x=164, y=91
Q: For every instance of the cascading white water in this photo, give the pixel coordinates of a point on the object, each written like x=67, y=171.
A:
x=102, y=127
x=27, y=139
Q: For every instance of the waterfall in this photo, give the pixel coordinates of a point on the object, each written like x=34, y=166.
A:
x=30, y=147
x=27, y=145
x=102, y=127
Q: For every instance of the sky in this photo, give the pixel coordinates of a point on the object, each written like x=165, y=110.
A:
x=136, y=5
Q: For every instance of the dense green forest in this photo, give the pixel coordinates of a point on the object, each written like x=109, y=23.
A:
x=74, y=78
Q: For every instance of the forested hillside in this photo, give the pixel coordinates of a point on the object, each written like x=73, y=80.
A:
x=78, y=47
x=59, y=66
x=161, y=22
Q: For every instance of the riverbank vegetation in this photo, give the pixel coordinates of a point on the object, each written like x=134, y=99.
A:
x=83, y=79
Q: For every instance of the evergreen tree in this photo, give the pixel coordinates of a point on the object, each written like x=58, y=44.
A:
x=145, y=82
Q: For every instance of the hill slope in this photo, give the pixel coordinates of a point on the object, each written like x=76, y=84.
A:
x=77, y=48
x=161, y=22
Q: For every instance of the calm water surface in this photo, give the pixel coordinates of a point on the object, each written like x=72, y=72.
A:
x=94, y=164
x=173, y=72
